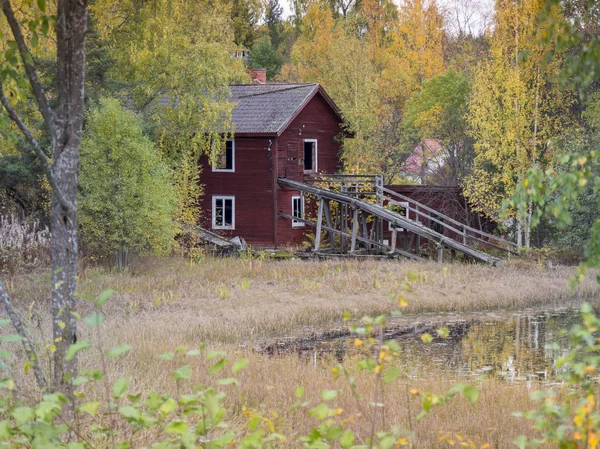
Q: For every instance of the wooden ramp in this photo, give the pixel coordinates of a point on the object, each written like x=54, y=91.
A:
x=360, y=222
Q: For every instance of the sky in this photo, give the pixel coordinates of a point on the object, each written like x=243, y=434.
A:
x=475, y=13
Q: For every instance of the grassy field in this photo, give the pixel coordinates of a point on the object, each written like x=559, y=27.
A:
x=238, y=304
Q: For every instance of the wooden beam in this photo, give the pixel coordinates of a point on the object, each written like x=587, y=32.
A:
x=327, y=211
x=354, y=230
x=394, y=237
x=319, y=223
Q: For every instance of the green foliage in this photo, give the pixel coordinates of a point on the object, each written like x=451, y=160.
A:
x=126, y=196
x=263, y=54
x=439, y=112
x=569, y=418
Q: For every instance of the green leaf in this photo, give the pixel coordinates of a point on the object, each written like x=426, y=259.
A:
x=391, y=374
x=23, y=414
x=328, y=395
x=129, y=412
x=300, y=392
x=95, y=319
x=118, y=350
x=5, y=355
x=120, y=386
x=185, y=372
x=91, y=408
x=228, y=381
x=471, y=394
x=76, y=347
x=179, y=427
x=167, y=356
x=12, y=338
x=347, y=439
x=217, y=366
x=387, y=442
x=214, y=354
x=168, y=406
x=239, y=365
x=42, y=5
x=193, y=352
x=4, y=322
x=103, y=297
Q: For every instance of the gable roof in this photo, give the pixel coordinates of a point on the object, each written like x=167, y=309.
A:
x=270, y=108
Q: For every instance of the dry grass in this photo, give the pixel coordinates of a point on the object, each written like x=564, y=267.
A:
x=236, y=304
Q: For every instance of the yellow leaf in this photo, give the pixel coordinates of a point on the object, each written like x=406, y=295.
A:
x=358, y=342
x=414, y=391
x=52, y=348
x=338, y=411
x=582, y=182
x=58, y=340
x=61, y=324
x=378, y=369
x=402, y=302
x=486, y=445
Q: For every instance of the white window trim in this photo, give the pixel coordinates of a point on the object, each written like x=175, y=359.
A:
x=214, y=206
x=315, y=155
x=406, y=206
x=295, y=223
x=217, y=170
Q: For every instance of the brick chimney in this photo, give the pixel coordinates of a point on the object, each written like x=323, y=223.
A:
x=259, y=75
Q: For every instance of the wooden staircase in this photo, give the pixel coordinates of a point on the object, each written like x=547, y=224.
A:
x=361, y=213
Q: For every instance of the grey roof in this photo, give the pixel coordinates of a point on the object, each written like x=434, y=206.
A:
x=268, y=108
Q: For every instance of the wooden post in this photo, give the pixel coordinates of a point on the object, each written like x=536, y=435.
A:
x=464, y=235
x=327, y=211
x=440, y=253
x=354, y=230
x=319, y=222
x=394, y=237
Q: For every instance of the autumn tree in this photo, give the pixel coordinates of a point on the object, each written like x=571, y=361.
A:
x=62, y=114
x=516, y=108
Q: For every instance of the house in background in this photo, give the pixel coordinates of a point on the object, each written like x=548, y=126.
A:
x=281, y=130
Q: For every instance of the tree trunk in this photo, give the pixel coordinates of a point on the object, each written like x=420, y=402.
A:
x=70, y=33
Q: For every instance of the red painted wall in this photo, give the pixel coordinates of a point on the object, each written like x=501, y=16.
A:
x=316, y=121
x=252, y=186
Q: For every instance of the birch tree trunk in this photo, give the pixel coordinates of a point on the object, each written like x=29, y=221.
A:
x=64, y=124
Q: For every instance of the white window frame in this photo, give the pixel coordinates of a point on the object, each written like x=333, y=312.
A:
x=215, y=169
x=214, y=207
x=315, y=156
x=406, y=206
x=296, y=223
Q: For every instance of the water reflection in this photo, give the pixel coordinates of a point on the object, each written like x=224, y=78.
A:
x=514, y=348
x=511, y=346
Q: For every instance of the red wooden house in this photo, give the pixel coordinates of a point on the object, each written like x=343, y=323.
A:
x=281, y=130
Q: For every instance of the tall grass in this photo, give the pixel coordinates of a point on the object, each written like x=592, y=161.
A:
x=23, y=244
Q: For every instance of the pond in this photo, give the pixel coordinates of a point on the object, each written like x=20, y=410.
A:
x=510, y=345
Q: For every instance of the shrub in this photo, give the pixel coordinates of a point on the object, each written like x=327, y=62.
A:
x=126, y=196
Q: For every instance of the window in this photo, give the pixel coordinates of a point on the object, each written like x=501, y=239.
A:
x=401, y=209
x=223, y=212
x=297, y=211
x=310, y=155
x=225, y=161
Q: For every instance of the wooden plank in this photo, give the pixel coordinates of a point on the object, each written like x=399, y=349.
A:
x=394, y=237
x=354, y=230
x=327, y=212
x=319, y=223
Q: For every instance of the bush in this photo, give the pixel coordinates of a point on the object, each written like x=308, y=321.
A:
x=126, y=200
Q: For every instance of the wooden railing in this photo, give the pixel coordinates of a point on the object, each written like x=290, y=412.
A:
x=372, y=185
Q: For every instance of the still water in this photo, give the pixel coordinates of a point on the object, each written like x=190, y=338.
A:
x=509, y=345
